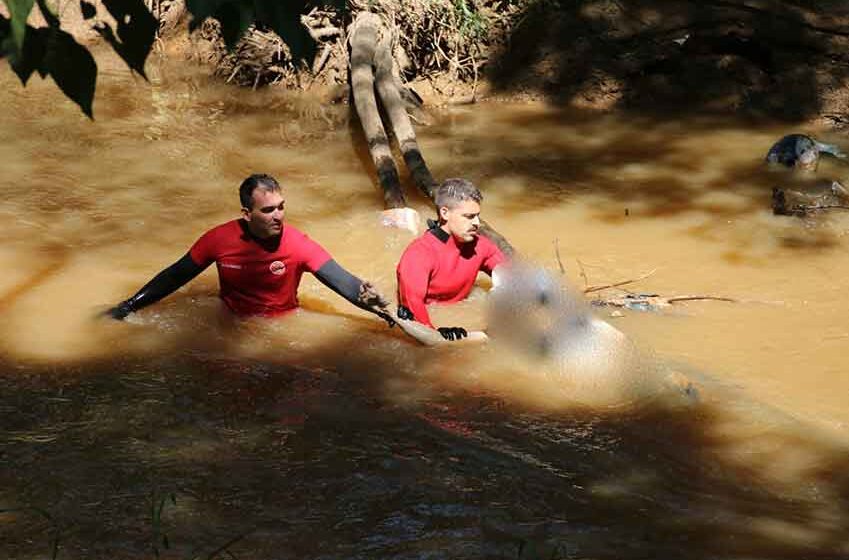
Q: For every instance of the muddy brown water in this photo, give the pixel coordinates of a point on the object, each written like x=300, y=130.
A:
x=182, y=433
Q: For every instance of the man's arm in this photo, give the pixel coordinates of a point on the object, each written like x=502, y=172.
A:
x=360, y=293
x=425, y=334
x=165, y=283
x=495, y=258
x=413, y=276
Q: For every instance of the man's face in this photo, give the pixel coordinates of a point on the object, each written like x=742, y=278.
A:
x=462, y=221
x=265, y=218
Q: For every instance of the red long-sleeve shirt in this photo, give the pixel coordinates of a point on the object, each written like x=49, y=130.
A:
x=436, y=269
x=258, y=280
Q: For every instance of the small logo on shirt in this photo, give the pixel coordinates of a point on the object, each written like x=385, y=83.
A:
x=228, y=265
x=277, y=267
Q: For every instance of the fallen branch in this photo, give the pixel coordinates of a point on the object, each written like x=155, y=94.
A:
x=644, y=302
x=825, y=207
x=696, y=298
x=321, y=59
x=363, y=37
x=635, y=301
x=373, y=68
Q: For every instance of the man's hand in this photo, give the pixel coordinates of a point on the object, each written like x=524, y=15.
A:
x=374, y=300
x=370, y=297
x=120, y=311
x=453, y=333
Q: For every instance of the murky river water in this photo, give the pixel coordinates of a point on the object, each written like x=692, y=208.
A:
x=182, y=433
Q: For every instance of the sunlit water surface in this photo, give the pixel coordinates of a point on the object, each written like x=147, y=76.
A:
x=184, y=433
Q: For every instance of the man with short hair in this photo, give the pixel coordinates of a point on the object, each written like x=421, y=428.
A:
x=441, y=265
x=260, y=262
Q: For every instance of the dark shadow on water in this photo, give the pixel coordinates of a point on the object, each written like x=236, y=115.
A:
x=632, y=167
x=296, y=462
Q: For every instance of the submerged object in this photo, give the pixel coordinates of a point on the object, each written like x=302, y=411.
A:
x=803, y=201
x=401, y=218
x=801, y=151
x=431, y=337
x=581, y=355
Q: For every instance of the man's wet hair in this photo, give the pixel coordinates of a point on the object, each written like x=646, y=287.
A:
x=454, y=191
x=256, y=181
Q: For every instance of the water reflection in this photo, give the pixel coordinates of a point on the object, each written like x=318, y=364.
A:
x=327, y=435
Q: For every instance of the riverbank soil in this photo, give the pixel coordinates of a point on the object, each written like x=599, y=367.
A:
x=782, y=60
x=767, y=59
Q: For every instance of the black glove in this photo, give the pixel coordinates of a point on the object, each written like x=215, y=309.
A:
x=453, y=333
x=404, y=313
x=120, y=311
x=386, y=317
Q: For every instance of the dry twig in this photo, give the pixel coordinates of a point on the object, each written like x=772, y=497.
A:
x=583, y=273
x=634, y=300
x=557, y=256
x=591, y=289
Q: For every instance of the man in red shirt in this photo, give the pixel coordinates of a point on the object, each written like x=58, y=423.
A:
x=441, y=265
x=260, y=262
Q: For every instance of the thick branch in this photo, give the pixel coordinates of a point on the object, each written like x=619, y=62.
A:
x=402, y=128
x=363, y=38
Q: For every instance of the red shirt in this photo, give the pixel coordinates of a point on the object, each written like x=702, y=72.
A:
x=435, y=269
x=258, y=277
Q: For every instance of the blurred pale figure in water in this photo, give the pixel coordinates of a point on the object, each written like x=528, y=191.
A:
x=581, y=355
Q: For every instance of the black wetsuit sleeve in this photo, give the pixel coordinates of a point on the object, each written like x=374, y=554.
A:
x=165, y=283
x=353, y=289
x=341, y=281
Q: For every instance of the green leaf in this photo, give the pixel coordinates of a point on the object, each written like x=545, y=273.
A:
x=136, y=31
x=53, y=52
x=72, y=68
x=50, y=17
x=281, y=16
x=31, y=58
x=235, y=18
x=284, y=18
x=88, y=10
x=5, y=36
x=18, y=13
x=202, y=9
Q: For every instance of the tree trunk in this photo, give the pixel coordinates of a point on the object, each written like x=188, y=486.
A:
x=363, y=39
x=372, y=67
x=402, y=128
